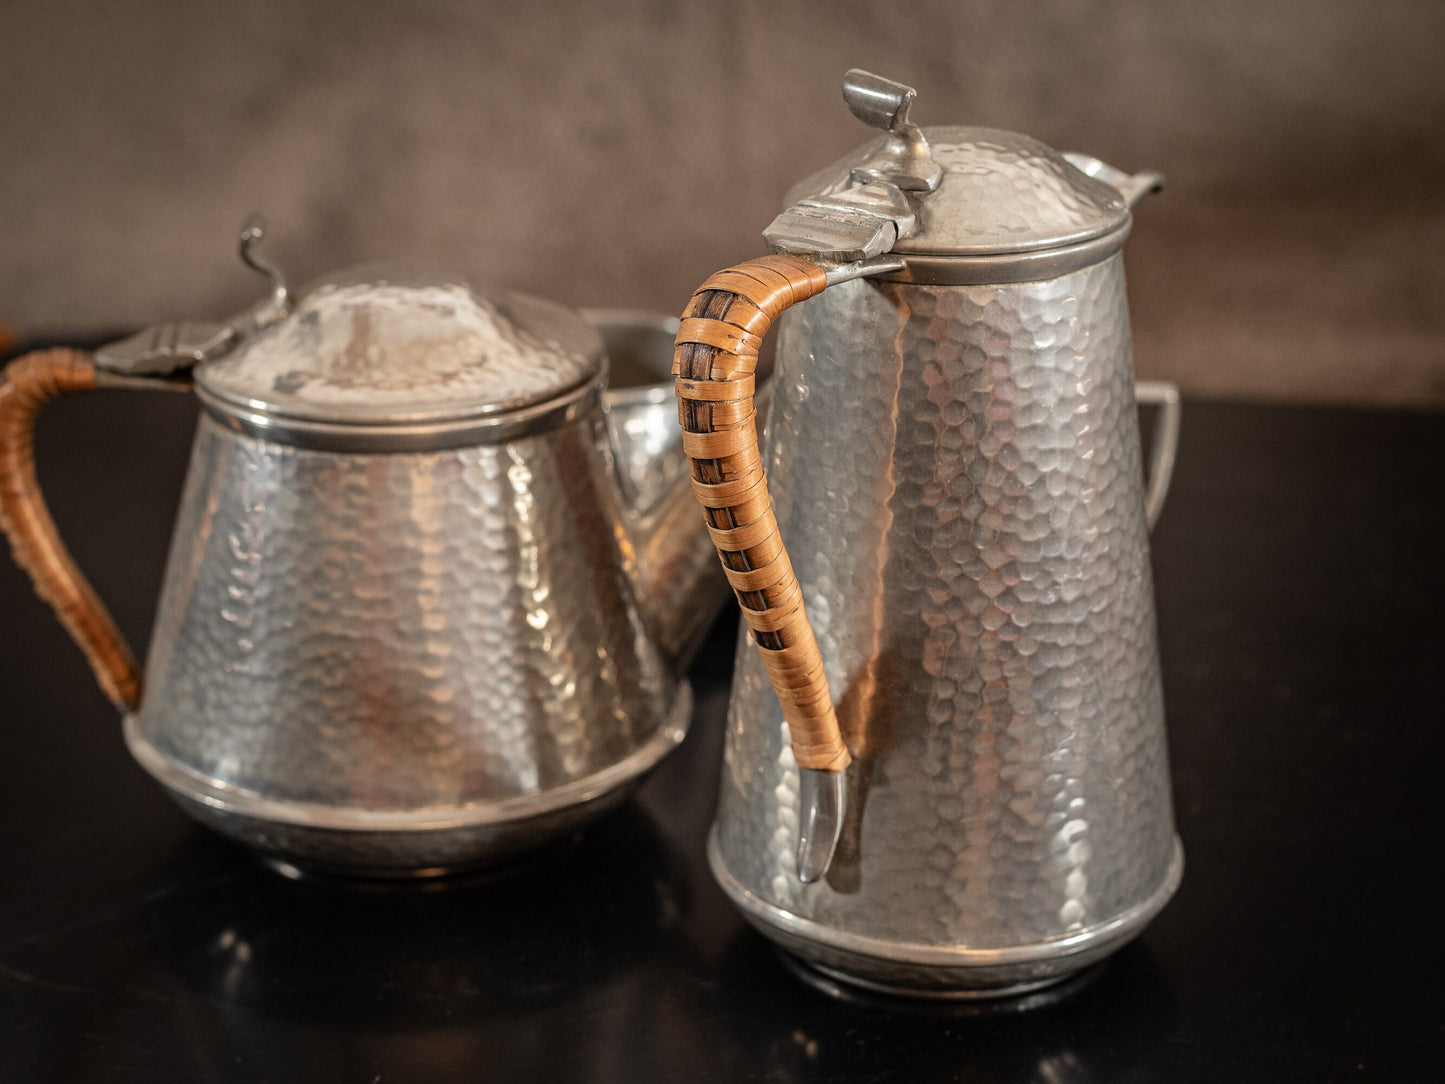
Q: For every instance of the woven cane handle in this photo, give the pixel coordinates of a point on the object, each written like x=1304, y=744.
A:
x=717, y=355
x=29, y=383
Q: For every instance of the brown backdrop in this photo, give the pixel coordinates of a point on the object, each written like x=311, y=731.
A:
x=616, y=154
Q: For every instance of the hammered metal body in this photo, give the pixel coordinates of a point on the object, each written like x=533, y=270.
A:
x=956, y=472
x=447, y=648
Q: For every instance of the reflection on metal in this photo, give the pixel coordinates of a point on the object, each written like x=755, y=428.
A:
x=822, y=799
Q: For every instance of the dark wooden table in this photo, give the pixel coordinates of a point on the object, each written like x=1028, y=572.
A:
x=1300, y=568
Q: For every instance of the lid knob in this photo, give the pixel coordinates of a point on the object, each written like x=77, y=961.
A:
x=905, y=159
x=877, y=102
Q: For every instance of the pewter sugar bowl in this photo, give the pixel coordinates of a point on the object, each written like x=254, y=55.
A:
x=409, y=621
x=946, y=770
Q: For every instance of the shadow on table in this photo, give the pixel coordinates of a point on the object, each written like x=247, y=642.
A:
x=268, y=975
x=528, y=935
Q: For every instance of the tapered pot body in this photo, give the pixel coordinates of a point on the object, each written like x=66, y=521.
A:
x=956, y=472
x=402, y=662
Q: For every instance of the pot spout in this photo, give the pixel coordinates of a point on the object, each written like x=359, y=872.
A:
x=680, y=583
x=1132, y=186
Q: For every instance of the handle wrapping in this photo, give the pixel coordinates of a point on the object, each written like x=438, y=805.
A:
x=716, y=357
x=29, y=383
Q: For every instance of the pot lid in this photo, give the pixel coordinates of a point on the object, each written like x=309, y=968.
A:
x=953, y=204
x=380, y=346
x=997, y=192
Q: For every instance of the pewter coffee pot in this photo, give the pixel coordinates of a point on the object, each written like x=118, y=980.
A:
x=410, y=622
x=942, y=557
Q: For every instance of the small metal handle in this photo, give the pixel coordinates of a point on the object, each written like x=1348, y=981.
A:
x=1164, y=448
x=1132, y=186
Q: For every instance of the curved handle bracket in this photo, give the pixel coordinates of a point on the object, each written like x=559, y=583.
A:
x=1164, y=448
x=1132, y=186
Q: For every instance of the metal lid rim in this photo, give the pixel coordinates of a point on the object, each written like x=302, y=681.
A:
x=412, y=435
x=1009, y=267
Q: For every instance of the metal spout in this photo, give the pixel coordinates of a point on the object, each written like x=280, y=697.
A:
x=1132, y=186
x=680, y=584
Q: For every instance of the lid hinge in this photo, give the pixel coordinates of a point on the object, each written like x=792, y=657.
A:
x=171, y=348
x=855, y=224
x=870, y=216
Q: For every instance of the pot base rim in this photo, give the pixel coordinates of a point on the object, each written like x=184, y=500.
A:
x=945, y=961
x=196, y=786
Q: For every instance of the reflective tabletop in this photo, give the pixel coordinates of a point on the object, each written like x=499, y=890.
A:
x=1300, y=592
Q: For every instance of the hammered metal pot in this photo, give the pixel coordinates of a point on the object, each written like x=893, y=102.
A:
x=989, y=628
x=981, y=802
x=417, y=614
x=411, y=661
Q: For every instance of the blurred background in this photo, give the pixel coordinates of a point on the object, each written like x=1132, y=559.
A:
x=616, y=154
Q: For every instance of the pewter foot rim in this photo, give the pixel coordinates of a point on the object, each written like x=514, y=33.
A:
x=228, y=798
x=1118, y=929
x=835, y=982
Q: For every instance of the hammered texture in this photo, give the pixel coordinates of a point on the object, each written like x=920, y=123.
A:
x=414, y=853
x=383, y=345
x=957, y=475
x=403, y=631
x=1000, y=192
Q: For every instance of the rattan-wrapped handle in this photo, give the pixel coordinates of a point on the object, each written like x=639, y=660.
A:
x=715, y=362
x=28, y=384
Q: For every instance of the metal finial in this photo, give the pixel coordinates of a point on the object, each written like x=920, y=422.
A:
x=878, y=102
x=253, y=232
x=905, y=160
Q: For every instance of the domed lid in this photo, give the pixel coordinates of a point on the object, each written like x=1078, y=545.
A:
x=953, y=205
x=997, y=192
x=386, y=346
